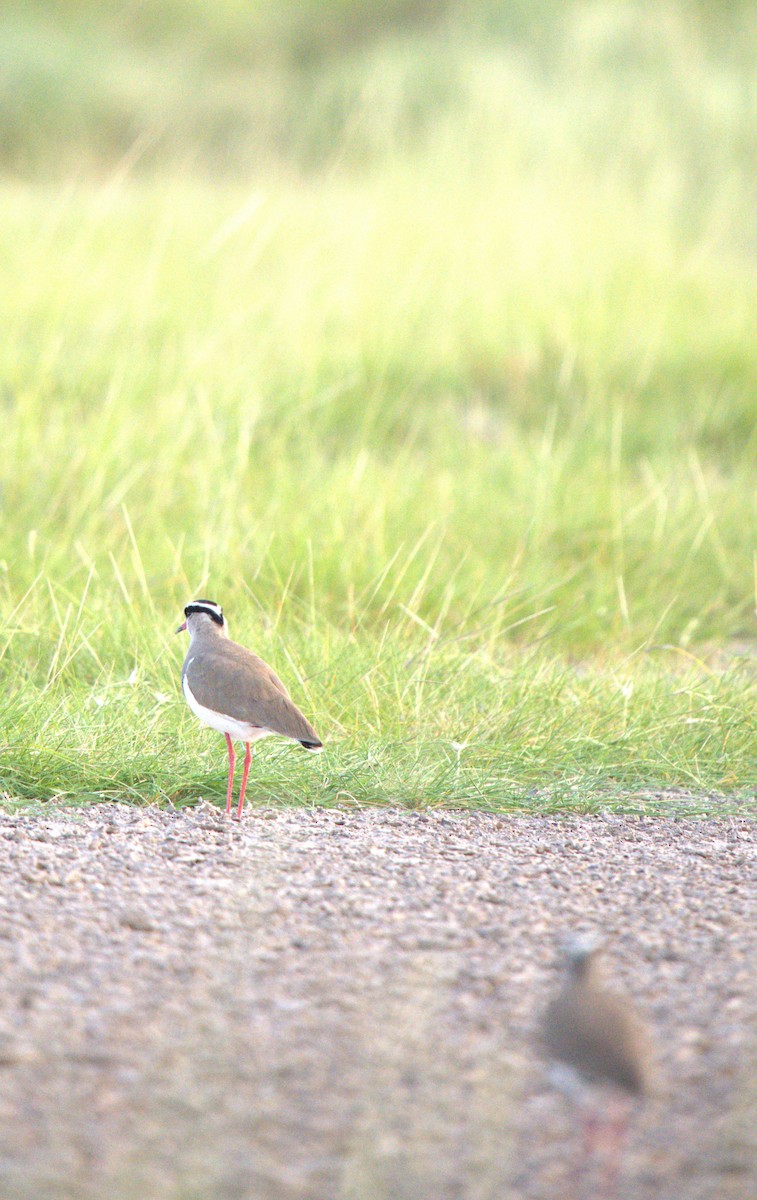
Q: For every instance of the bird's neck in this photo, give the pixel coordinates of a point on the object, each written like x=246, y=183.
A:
x=207, y=636
x=584, y=972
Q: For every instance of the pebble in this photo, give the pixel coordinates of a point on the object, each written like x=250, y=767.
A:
x=309, y=986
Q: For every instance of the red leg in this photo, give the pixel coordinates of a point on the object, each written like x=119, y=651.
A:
x=245, y=773
x=617, y=1133
x=232, y=758
x=585, y=1152
x=591, y=1133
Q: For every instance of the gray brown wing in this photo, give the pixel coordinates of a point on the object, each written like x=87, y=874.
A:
x=599, y=1036
x=231, y=680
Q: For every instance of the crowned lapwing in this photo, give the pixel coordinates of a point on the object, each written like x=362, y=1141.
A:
x=235, y=692
x=600, y=1055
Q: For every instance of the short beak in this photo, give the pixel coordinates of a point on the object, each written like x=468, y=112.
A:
x=182, y=627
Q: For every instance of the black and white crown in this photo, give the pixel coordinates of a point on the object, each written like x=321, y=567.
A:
x=209, y=607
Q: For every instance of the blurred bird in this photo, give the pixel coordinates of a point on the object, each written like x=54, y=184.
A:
x=600, y=1057
x=232, y=690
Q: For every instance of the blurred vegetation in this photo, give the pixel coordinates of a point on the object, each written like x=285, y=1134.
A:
x=225, y=86
x=420, y=335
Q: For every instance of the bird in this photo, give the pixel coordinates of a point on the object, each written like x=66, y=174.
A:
x=600, y=1053
x=233, y=691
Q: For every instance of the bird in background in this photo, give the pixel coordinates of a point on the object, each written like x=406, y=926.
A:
x=235, y=692
x=600, y=1058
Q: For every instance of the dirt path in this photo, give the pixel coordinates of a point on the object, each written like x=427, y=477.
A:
x=325, y=1005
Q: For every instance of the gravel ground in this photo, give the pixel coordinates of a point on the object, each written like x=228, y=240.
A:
x=327, y=1005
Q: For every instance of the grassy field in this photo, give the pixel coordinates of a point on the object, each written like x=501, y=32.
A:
x=423, y=344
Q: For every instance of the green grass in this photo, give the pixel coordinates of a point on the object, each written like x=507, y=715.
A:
x=451, y=404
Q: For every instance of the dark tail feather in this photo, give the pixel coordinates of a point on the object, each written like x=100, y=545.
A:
x=312, y=745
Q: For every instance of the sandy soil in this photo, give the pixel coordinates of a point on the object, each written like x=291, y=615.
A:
x=318, y=1005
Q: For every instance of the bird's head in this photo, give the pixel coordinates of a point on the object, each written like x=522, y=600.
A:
x=580, y=950
x=204, y=615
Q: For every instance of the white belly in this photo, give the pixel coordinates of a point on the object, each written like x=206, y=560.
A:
x=240, y=731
